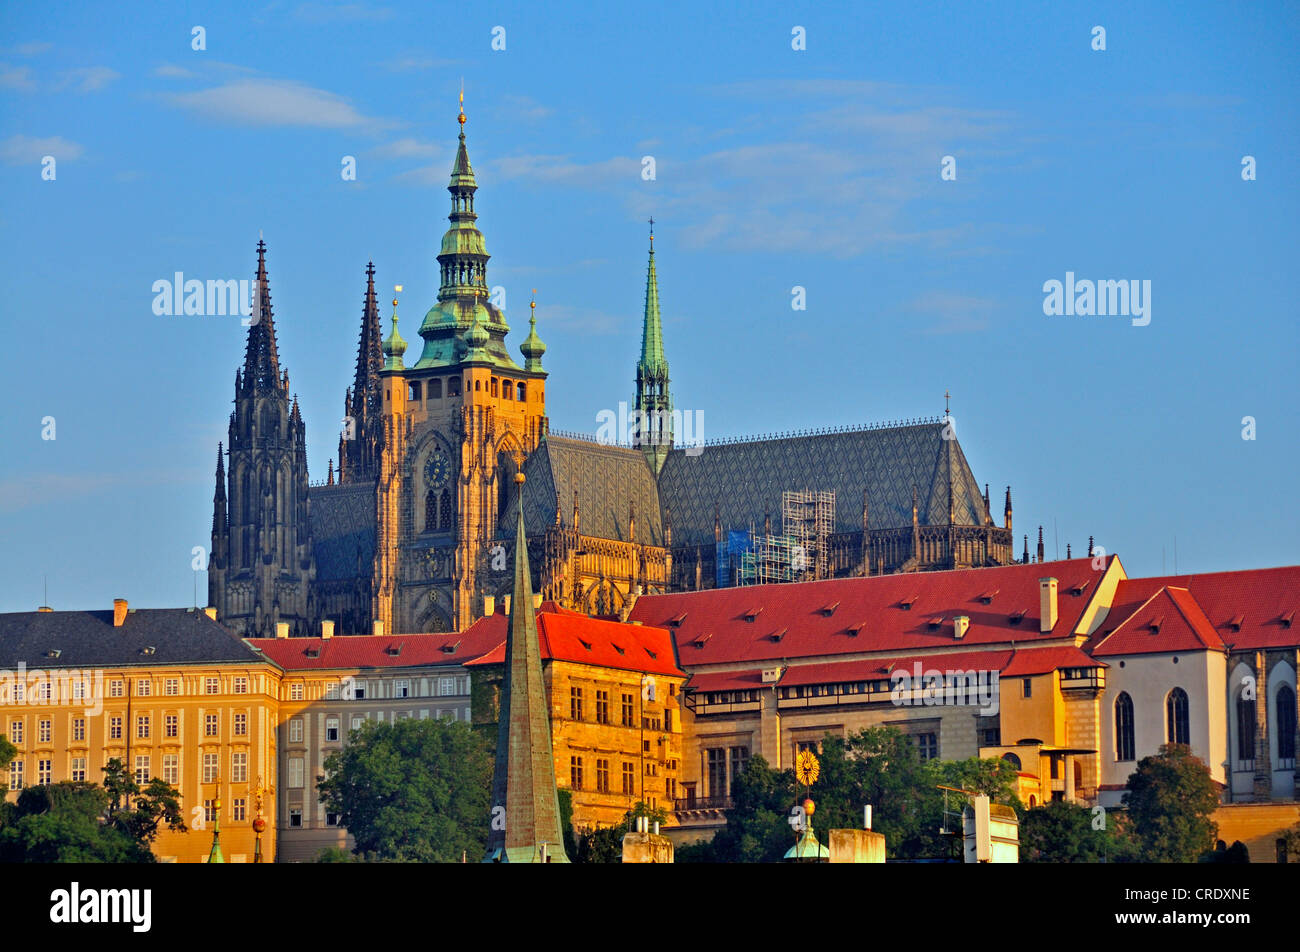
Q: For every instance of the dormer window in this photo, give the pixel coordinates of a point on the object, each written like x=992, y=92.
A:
x=936, y=622
x=702, y=640
x=778, y=635
x=1017, y=617
x=987, y=597
x=829, y=610
x=677, y=622
x=753, y=613
x=1236, y=621
x=1079, y=587
x=1155, y=623
x=907, y=603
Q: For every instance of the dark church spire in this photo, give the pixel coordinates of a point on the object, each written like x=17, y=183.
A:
x=359, y=446
x=525, y=817
x=261, y=359
x=219, y=498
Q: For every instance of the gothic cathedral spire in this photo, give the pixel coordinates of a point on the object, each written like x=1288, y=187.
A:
x=525, y=824
x=359, y=447
x=654, y=405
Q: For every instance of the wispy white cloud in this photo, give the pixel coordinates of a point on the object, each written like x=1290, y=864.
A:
x=952, y=313
x=424, y=175
x=415, y=63
x=19, y=149
x=88, y=79
x=560, y=169
x=43, y=489
x=583, y=320
x=16, y=77
x=30, y=49
x=523, y=109
x=407, y=148
x=172, y=71
x=272, y=102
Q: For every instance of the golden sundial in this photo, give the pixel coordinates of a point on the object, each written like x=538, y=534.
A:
x=806, y=768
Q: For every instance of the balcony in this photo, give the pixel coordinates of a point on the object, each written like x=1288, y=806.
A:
x=701, y=804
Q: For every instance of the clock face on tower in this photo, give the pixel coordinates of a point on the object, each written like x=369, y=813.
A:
x=437, y=470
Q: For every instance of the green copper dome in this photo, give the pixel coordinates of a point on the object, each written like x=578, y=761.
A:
x=532, y=348
x=394, y=348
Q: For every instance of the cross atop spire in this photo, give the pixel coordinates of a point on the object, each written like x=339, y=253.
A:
x=946, y=395
x=261, y=357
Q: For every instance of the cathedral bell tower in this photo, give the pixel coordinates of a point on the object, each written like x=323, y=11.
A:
x=261, y=568
x=456, y=427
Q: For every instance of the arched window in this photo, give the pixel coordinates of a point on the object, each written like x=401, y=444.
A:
x=523, y=393
x=415, y=391
x=1124, y=746
x=444, y=512
x=267, y=426
x=1012, y=759
x=435, y=389
x=495, y=391
x=430, y=511
x=507, y=391
x=453, y=387
x=1245, y=728
x=478, y=384
x=1177, y=729
x=1285, y=720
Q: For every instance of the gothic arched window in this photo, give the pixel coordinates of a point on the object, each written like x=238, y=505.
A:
x=430, y=511
x=1177, y=729
x=1245, y=727
x=1286, y=720
x=1124, y=746
x=444, y=512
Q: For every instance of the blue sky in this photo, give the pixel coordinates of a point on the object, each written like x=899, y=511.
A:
x=775, y=168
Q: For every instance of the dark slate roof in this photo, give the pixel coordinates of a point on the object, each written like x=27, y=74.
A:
x=343, y=525
x=88, y=639
x=746, y=479
x=606, y=478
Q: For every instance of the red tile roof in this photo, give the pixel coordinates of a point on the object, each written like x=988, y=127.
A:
x=1244, y=610
x=571, y=636
x=371, y=651
x=714, y=626
x=1031, y=661
x=880, y=669
x=725, y=681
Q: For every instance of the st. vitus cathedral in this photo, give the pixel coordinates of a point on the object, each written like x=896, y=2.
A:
x=416, y=529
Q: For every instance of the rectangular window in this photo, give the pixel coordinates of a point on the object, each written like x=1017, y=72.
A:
x=44, y=772
x=629, y=710
x=446, y=687
x=1026, y=687
x=79, y=689
x=77, y=769
x=717, y=771
x=602, y=707
x=332, y=691
x=629, y=778
x=115, y=728
x=239, y=766
x=43, y=730
x=402, y=688
x=209, y=810
x=359, y=690
x=114, y=688
x=171, y=772
x=20, y=690
x=331, y=728
x=241, y=725
x=739, y=758
x=295, y=692
x=575, y=704
x=211, y=685
x=209, y=768
x=240, y=686
x=141, y=769
x=239, y=810
x=928, y=746
x=16, y=731
x=295, y=731
x=602, y=776
x=295, y=817
x=357, y=721
x=172, y=687
x=210, y=725
x=295, y=772
x=78, y=728
x=575, y=773
x=16, y=775
x=171, y=725
x=144, y=687
x=142, y=727
x=331, y=819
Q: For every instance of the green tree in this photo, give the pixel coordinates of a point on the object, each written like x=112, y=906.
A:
x=1170, y=800
x=64, y=823
x=605, y=845
x=139, y=812
x=1234, y=854
x=1061, y=832
x=1291, y=844
x=414, y=790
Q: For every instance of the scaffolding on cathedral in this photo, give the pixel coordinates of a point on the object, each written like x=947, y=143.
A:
x=799, y=553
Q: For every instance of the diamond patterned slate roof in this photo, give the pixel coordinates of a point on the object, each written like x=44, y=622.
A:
x=343, y=530
x=745, y=480
x=605, y=478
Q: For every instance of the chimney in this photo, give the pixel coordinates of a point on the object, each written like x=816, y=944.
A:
x=211, y=612
x=326, y=630
x=489, y=605
x=505, y=603
x=959, y=626
x=119, y=612
x=377, y=627
x=282, y=629
x=45, y=608
x=1046, y=604
x=537, y=600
